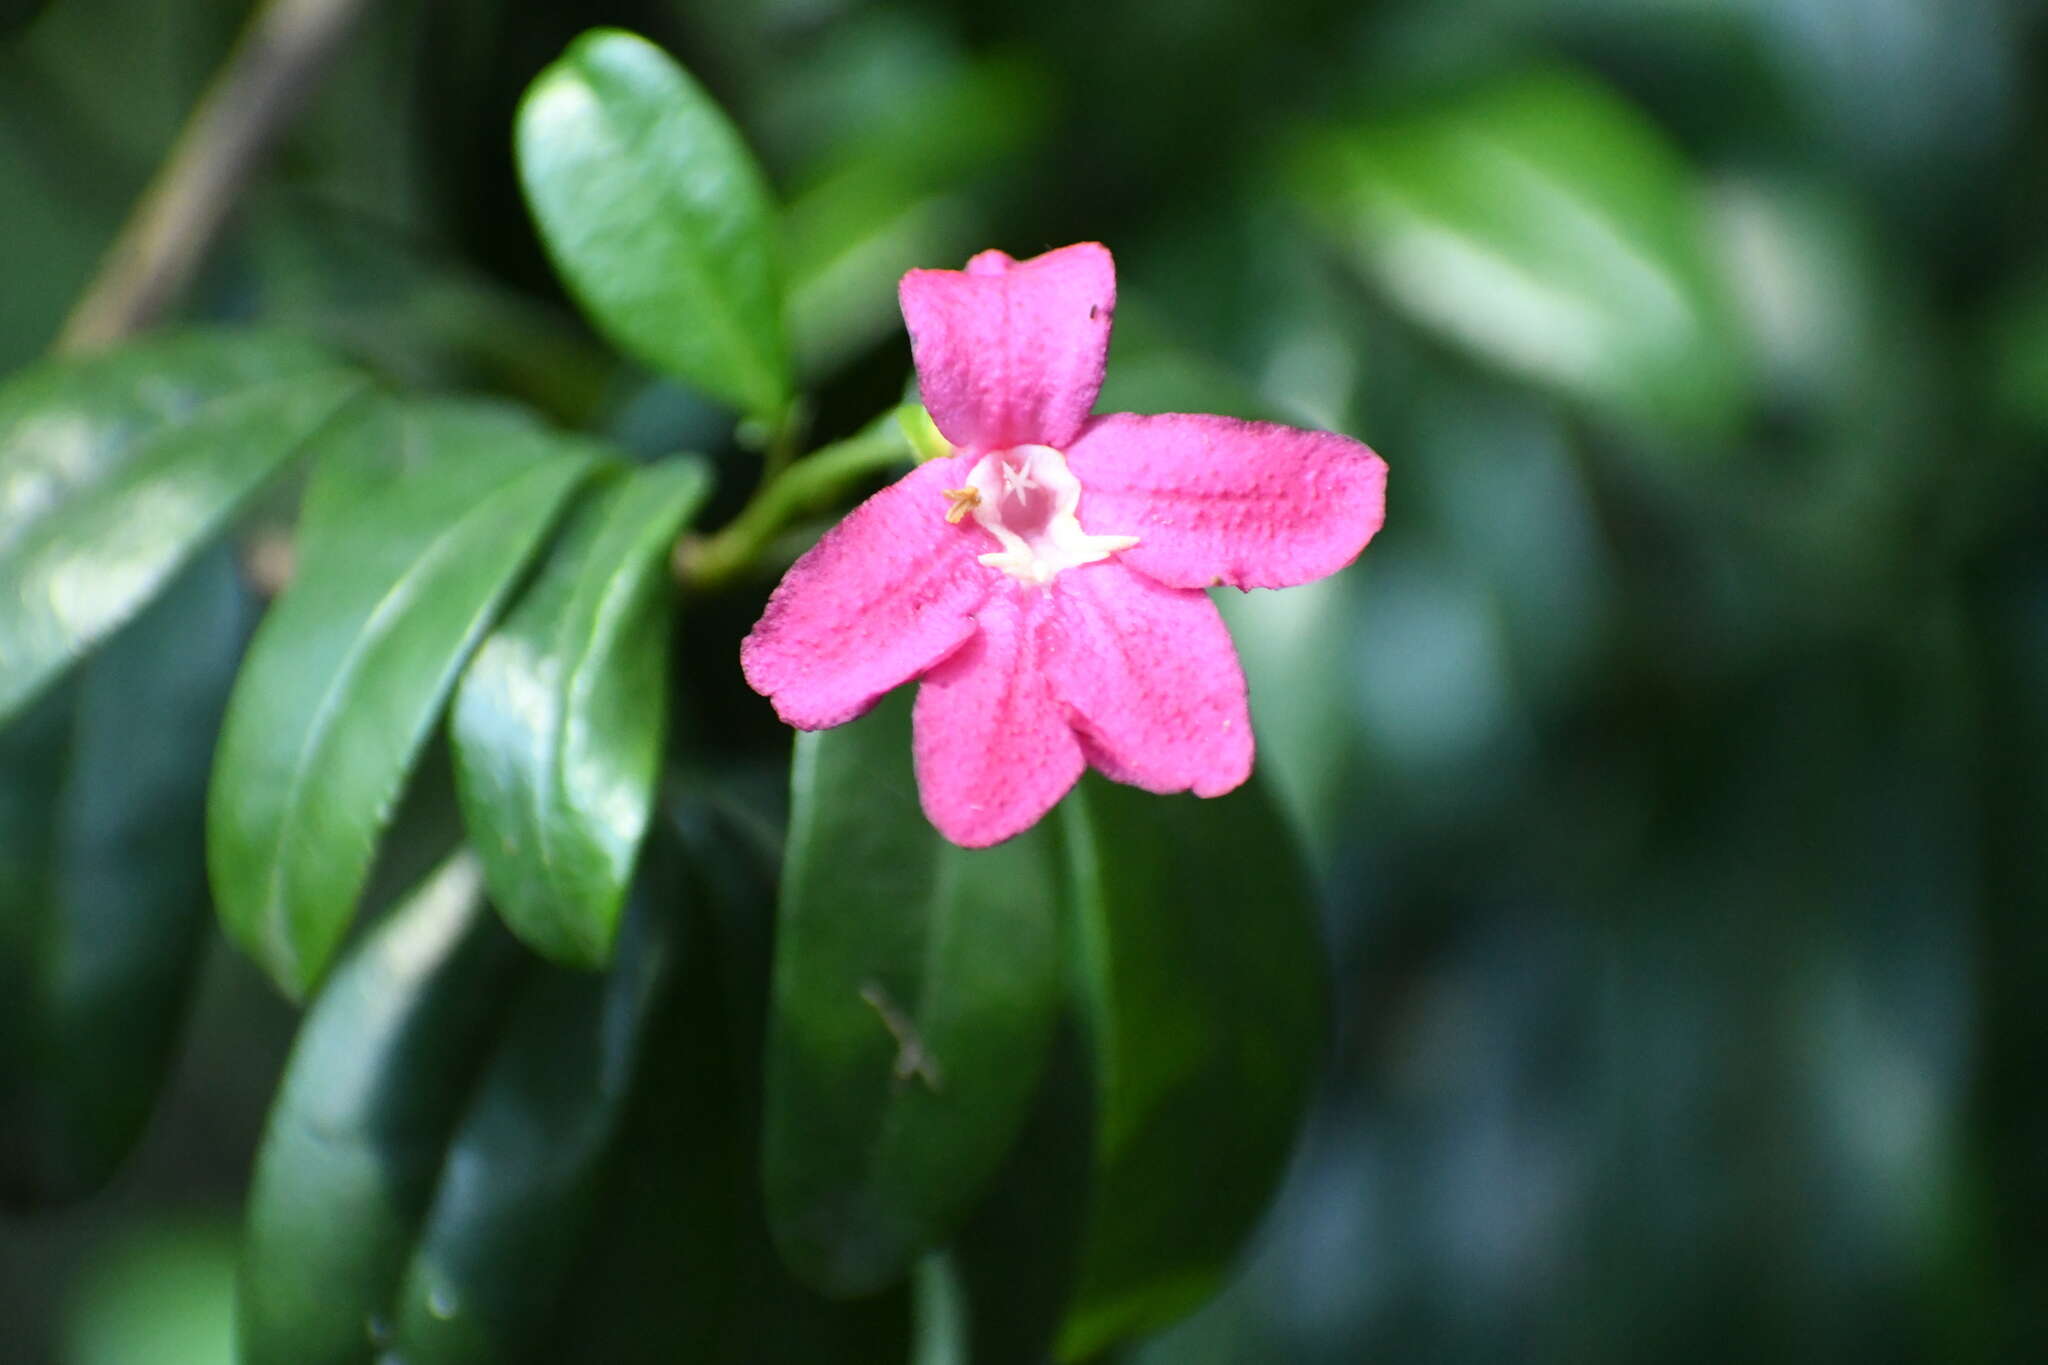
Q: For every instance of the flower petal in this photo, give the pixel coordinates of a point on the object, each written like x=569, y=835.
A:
x=994, y=750
x=886, y=594
x=1216, y=500
x=1150, y=679
x=1011, y=352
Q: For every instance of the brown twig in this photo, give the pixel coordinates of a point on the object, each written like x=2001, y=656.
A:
x=274, y=68
x=913, y=1059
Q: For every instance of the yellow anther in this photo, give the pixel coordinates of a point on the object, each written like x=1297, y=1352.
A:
x=964, y=500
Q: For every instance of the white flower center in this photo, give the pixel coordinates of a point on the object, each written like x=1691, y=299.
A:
x=1025, y=497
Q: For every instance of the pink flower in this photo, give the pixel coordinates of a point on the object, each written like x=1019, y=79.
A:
x=1046, y=581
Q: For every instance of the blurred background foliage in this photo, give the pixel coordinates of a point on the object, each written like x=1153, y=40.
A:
x=1676, y=762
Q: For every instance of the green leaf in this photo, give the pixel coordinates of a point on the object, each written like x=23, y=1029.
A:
x=1546, y=225
x=2019, y=354
x=116, y=469
x=658, y=218
x=416, y=526
x=916, y=986
x=1017, y=1257
x=898, y=194
x=997, y=1294
x=520, y=1163
x=15, y=14
x=1204, y=987
x=375, y=1085
x=520, y=1181
x=559, y=719
x=658, y=1277
x=680, y=1266
x=155, y=1289
x=103, y=884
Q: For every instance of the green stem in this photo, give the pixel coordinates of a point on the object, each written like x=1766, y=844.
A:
x=805, y=486
x=782, y=444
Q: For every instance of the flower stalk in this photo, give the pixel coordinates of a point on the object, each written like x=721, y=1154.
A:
x=707, y=563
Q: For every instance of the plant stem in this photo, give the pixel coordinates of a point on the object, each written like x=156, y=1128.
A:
x=275, y=66
x=782, y=445
x=808, y=484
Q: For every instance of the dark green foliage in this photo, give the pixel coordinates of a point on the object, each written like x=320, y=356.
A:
x=103, y=885
x=1201, y=981
x=379, y=1080
x=681, y=1265
x=1017, y=1258
x=116, y=470
x=1544, y=224
x=417, y=524
x=658, y=218
x=916, y=987
x=559, y=721
x=496, y=1251
x=16, y=14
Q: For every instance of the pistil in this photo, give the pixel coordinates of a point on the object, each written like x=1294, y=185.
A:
x=1026, y=498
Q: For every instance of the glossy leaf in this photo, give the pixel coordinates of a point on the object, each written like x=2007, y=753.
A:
x=733, y=849
x=1204, y=988
x=1546, y=225
x=657, y=216
x=559, y=718
x=915, y=989
x=520, y=1180
x=659, y=1276
x=998, y=1293
x=680, y=1266
x=417, y=524
x=116, y=469
x=377, y=1081
x=103, y=884
x=1017, y=1256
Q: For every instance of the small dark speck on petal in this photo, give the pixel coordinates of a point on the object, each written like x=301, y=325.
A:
x=1093, y=309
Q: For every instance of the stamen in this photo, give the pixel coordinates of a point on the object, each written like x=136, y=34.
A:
x=964, y=500
x=1027, y=503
